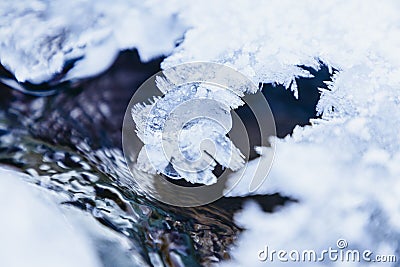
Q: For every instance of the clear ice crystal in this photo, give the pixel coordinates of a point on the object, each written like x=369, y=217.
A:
x=184, y=132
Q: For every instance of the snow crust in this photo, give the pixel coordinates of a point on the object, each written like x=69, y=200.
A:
x=38, y=38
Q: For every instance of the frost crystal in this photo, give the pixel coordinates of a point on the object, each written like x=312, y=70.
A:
x=184, y=132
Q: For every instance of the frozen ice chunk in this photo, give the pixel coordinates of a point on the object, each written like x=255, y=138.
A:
x=184, y=132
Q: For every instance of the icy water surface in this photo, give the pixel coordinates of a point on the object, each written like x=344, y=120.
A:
x=70, y=143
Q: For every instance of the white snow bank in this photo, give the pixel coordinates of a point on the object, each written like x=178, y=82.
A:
x=38, y=37
x=37, y=232
x=267, y=39
x=34, y=232
x=344, y=169
x=344, y=191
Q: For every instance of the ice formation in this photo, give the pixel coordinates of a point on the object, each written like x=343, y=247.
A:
x=181, y=138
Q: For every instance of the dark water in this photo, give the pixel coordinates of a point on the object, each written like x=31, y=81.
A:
x=70, y=142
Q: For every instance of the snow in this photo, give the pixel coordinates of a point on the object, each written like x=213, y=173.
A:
x=37, y=38
x=267, y=40
x=35, y=229
x=343, y=170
